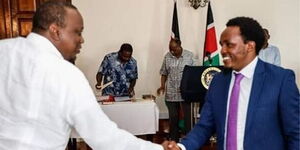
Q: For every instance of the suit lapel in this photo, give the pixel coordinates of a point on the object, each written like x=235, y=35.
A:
x=223, y=94
x=257, y=85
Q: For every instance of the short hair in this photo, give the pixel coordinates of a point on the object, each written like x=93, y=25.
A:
x=48, y=13
x=126, y=47
x=250, y=30
x=176, y=40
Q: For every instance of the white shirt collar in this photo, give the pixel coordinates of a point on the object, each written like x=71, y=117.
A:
x=43, y=43
x=248, y=70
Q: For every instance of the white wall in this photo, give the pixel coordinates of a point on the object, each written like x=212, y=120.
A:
x=146, y=24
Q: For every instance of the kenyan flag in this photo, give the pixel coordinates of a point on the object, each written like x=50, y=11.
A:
x=211, y=54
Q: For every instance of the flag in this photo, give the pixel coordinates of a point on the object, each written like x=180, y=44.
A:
x=175, y=26
x=211, y=54
x=175, y=34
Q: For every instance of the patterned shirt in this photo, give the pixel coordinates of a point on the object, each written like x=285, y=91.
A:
x=270, y=54
x=172, y=67
x=121, y=74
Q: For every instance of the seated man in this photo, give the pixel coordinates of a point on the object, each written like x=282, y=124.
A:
x=121, y=68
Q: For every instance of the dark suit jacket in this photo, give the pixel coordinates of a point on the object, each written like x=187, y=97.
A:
x=273, y=115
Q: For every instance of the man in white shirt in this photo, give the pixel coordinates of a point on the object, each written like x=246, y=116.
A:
x=43, y=96
x=251, y=106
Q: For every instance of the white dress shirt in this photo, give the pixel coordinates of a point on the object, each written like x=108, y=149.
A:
x=43, y=96
x=243, y=101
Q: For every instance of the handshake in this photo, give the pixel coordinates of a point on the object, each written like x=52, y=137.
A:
x=170, y=145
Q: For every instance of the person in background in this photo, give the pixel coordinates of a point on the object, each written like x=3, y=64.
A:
x=253, y=105
x=171, y=74
x=44, y=96
x=269, y=53
x=121, y=68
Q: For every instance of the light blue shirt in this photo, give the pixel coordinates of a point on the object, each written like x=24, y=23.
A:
x=270, y=54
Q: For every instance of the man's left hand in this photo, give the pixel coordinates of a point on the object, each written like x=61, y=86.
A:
x=131, y=92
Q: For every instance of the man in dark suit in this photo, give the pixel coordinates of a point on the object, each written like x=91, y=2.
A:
x=253, y=105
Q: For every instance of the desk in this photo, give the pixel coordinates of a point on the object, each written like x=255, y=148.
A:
x=138, y=118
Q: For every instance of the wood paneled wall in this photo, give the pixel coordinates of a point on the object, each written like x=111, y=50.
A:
x=16, y=16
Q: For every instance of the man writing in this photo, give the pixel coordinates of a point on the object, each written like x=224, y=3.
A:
x=121, y=69
x=43, y=96
x=253, y=105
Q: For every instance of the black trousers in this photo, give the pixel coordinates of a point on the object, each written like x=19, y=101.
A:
x=174, y=109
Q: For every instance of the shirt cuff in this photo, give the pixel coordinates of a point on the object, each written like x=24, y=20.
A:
x=181, y=146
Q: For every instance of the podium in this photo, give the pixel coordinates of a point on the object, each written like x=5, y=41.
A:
x=194, y=85
x=195, y=81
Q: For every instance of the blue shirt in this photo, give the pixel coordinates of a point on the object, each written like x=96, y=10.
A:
x=270, y=55
x=121, y=74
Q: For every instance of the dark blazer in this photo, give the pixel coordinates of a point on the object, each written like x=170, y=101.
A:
x=273, y=115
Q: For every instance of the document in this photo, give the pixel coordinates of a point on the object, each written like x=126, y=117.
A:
x=122, y=98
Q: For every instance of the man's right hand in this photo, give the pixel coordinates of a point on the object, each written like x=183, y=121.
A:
x=170, y=145
x=160, y=90
x=98, y=86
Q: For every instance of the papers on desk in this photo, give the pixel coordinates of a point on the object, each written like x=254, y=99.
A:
x=122, y=98
x=106, y=98
x=110, y=99
x=114, y=99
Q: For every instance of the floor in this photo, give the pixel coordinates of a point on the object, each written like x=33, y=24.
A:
x=159, y=137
